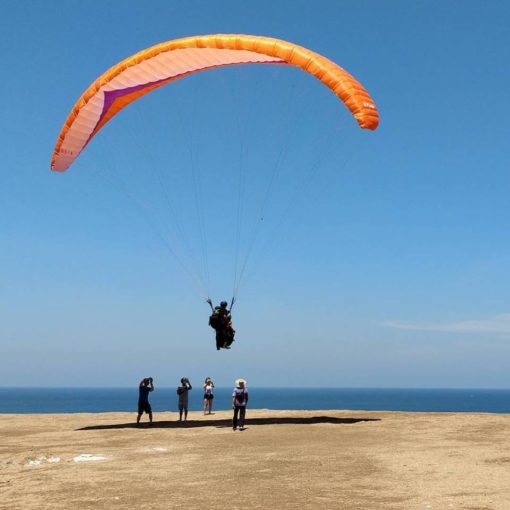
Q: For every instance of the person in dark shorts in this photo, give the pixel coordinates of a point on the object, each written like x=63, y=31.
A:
x=239, y=403
x=146, y=386
x=182, y=391
x=208, y=395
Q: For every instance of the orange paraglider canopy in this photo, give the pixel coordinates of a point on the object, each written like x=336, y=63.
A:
x=161, y=64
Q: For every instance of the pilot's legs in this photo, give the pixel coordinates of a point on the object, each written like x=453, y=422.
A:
x=219, y=340
x=229, y=336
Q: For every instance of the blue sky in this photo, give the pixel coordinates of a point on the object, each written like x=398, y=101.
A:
x=389, y=268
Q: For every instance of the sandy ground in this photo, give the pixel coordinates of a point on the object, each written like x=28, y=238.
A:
x=284, y=459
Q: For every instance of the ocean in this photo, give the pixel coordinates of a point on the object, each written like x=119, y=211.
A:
x=99, y=400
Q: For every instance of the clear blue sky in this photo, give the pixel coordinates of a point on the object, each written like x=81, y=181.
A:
x=391, y=267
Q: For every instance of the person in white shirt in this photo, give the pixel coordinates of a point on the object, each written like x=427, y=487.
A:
x=208, y=395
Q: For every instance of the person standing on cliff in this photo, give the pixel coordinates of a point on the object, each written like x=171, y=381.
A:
x=182, y=392
x=145, y=387
x=239, y=403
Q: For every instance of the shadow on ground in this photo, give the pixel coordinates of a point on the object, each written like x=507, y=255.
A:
x=251, y=422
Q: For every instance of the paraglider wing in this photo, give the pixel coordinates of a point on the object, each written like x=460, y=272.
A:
x=161, y=64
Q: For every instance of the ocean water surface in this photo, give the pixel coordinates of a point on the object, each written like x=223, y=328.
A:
x=98, y=400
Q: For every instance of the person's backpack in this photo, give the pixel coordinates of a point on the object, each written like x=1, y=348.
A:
x=215, y=320
x=240, y=397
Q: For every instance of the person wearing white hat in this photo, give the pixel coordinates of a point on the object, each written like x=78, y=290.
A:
x=239, y=403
